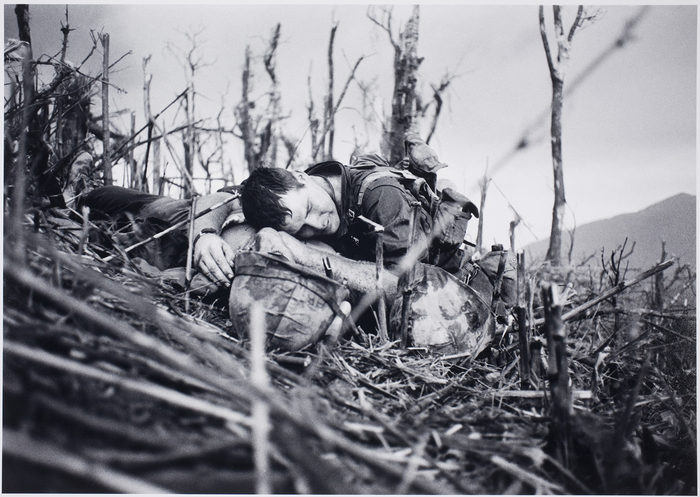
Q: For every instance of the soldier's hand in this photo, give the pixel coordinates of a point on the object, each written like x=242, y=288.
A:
x=336, y=326
x=274, y=242
x=214, y=258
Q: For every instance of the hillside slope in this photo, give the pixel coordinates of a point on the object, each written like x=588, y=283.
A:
x=672, y=220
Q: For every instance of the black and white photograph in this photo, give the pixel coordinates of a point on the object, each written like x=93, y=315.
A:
x=350, y=248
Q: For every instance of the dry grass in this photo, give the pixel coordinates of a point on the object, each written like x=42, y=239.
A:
x=110, y=386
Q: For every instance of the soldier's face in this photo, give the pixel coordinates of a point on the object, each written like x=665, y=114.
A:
x=313, y=211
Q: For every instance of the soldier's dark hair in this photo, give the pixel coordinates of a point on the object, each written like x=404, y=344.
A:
x=260, y=197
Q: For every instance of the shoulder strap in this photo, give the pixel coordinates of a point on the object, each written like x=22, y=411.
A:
x=371, y=178
x=418, y=187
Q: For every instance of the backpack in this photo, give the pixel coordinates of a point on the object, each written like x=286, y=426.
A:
x=450, y=211
x=417, y=186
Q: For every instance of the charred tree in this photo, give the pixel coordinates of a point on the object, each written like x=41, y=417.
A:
x=147, y=78
x=19, y=176
x=557, y=72
x=331, y=106
x=106, y=159
x=243, y=112
x=329, y=121
x=259, y=132
x=483, y=186
x=406, y=62
x=313, y=119
x=268, y=150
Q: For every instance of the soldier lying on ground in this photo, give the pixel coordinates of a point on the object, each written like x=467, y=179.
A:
x=340, y=206
x=325, y=219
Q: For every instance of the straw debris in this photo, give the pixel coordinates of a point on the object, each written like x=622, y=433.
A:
x=110, y=386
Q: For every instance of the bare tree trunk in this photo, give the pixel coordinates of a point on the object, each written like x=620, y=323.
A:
x=484, y=184
x=557, y=71
x=329, y=121
x=20, y=180
x=313, y=120
x=135, y=176
x=106, y=161
x=557, y=373
x=269, y=152
x=511, y=232
x=219, y=139
x=555, y=237
x=336, y=106
x=658, y=300
x=158, y=183
x=188, y=142
x=65, y=29
x=406, y=64
x=149, y=119
x=245, y=119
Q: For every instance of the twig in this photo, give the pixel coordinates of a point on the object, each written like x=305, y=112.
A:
x=610, y=292
x=190, y=249
x=85, y=229
x=538, y=394
x=536, y=482
x=153, y=119
x=106, y=162
x=260, y=410
x=524, y=337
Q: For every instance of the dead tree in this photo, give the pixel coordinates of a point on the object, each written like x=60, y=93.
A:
x=557, y=72
x=135, y=179
x=511, y=231
x=56, y=138
x=406, y=62
x=483, y=186
x=329, y=121
x=437, y=100
x=531, y=134
x=72, y=112
x=192, y=62
x=19, y=177
x=106, y=160
x=331, y=106
x=312, y=117
x=259, y=132
x=147, y=78
x=557, y=374
x=269, y=154
x=244, y=116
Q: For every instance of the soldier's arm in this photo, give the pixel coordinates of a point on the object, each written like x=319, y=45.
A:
x=359, y=276
x=214, y=219
x=213, y=256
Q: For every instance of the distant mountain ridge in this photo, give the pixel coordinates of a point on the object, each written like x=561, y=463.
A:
x=672, y=220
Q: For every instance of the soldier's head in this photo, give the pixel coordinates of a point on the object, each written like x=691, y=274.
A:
x=290, y=201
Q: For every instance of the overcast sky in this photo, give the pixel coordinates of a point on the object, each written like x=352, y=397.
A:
x=629, y=130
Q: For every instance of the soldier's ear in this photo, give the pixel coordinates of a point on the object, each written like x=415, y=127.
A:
x=301, y=177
